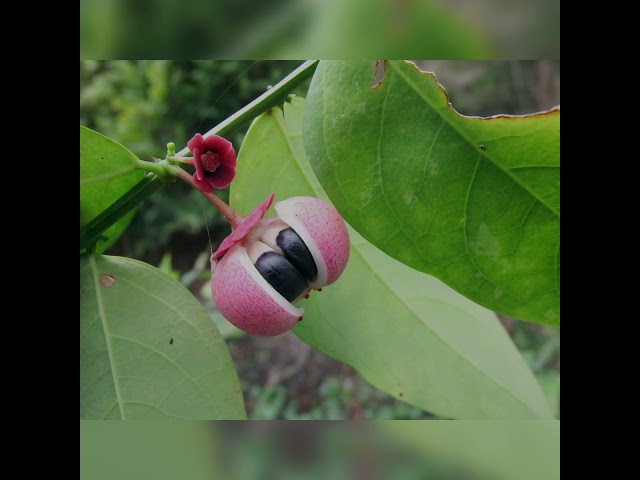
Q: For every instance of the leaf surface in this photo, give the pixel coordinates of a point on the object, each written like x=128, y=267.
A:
x=148, y=349
x=107, y=171
x=473, y=201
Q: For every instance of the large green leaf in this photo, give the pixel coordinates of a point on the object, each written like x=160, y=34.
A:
x=406, y=332
x=473, y=201
x=107, y=171
x=148, y=349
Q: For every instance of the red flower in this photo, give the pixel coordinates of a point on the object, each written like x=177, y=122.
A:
x=215, y=162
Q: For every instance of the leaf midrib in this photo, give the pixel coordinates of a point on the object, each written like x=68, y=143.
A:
x=107, y=334
x=409, y=307
x=470, y=141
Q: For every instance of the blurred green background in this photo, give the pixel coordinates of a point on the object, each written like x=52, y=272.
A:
x=434, y=450
x=293, y=29
x=145, y=104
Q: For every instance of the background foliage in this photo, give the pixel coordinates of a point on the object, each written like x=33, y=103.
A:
x=144, y=104
x=294, y=29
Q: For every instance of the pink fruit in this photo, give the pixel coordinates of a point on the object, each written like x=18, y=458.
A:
x=267, y=264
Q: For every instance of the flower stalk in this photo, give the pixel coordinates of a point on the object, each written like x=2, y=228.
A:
x=233, y=217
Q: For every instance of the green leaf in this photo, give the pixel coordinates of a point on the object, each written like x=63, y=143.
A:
x=107, y=171
x=407, y=333
x=472, y=201
x=148, y=349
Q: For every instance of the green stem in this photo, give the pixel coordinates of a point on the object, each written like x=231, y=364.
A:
x=162, y=170
x=271, y=98
x=90, y=233
x=165, y=171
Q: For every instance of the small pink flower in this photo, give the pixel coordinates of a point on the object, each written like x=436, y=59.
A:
x=215, y=162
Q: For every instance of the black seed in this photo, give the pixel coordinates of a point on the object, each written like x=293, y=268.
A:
x=297, y=253
x=281, y=275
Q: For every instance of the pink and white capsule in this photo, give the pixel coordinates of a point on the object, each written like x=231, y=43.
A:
x=244, y=296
